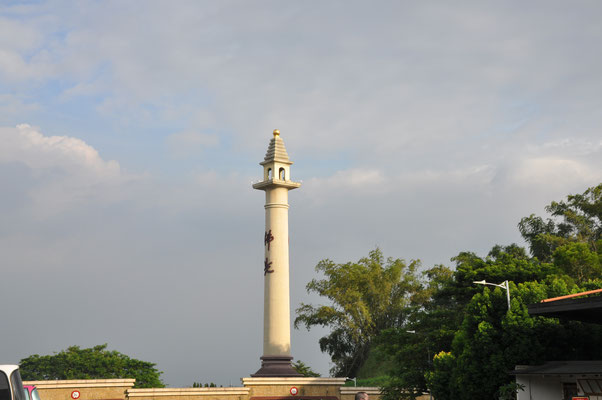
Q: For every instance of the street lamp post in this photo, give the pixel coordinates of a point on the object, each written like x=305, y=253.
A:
x=504, y=286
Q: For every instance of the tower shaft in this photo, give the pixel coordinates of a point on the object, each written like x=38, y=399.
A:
x=276, y=301
x=276, y=359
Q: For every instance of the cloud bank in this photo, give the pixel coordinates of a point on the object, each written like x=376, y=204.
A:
x=423, y=128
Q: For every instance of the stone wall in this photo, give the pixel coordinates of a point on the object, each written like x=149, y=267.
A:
x=88, y=389
x=213, y=393
x=252, y=389
x=269, y=388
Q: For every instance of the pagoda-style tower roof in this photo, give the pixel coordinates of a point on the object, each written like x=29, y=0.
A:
x=276, y=166
x=276, y=151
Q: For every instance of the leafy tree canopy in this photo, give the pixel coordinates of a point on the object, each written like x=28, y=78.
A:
x=502, y=263
x=428, y=328
x=467, y=327
x=93, y=363
x=437, y=330
x=305, y=370
x=493, y=339
x=578, y=219
x=365, y=298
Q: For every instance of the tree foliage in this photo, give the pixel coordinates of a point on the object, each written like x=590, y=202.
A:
x=437, y=330
x=438, y=321
x=470, y=338
x=304, y=369
x=93, y=363
x=365, y=298
x=492, y=340
x=576, y=220
x=429, y=328
x=200, y=385
x=578, y=261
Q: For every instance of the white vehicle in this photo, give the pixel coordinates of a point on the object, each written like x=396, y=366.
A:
x=11, y=386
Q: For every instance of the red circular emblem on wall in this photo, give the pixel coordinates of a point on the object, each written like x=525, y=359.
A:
x=75, y=394
x=294, y=390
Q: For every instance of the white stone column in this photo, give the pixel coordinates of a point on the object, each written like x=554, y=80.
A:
x=276, y=302
x=276, y=359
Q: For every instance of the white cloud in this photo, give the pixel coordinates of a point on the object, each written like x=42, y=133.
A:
x=81, y=90
x=12, y=106
x=370, y=180
x=378, y=89
x=573, y=146
x=61, y=171
x=478, y=175
x=535, y=172
x=188, y=143
x=25, y=144
x=354, y=178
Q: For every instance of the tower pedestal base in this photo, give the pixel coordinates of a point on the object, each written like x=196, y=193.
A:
x=276, y=366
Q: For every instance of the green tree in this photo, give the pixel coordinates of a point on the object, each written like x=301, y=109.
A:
x=578, y=219
x=366, y=298
x=577, y=261
x=440, y=379
x=502, y=263
x=493, y=339
x=475, y=339
x=429, y=329
x=456, y=308
x=304, y=370
x=93, y=363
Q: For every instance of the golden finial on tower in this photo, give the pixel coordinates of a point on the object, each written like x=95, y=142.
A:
x=276, y=132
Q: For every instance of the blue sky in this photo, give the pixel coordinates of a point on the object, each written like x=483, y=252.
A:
x=131, y=132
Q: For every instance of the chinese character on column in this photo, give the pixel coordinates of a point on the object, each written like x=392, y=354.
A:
x=266, y=267
x=268, y=237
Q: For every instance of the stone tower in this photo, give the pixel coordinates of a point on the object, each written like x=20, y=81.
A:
x=276, y=359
